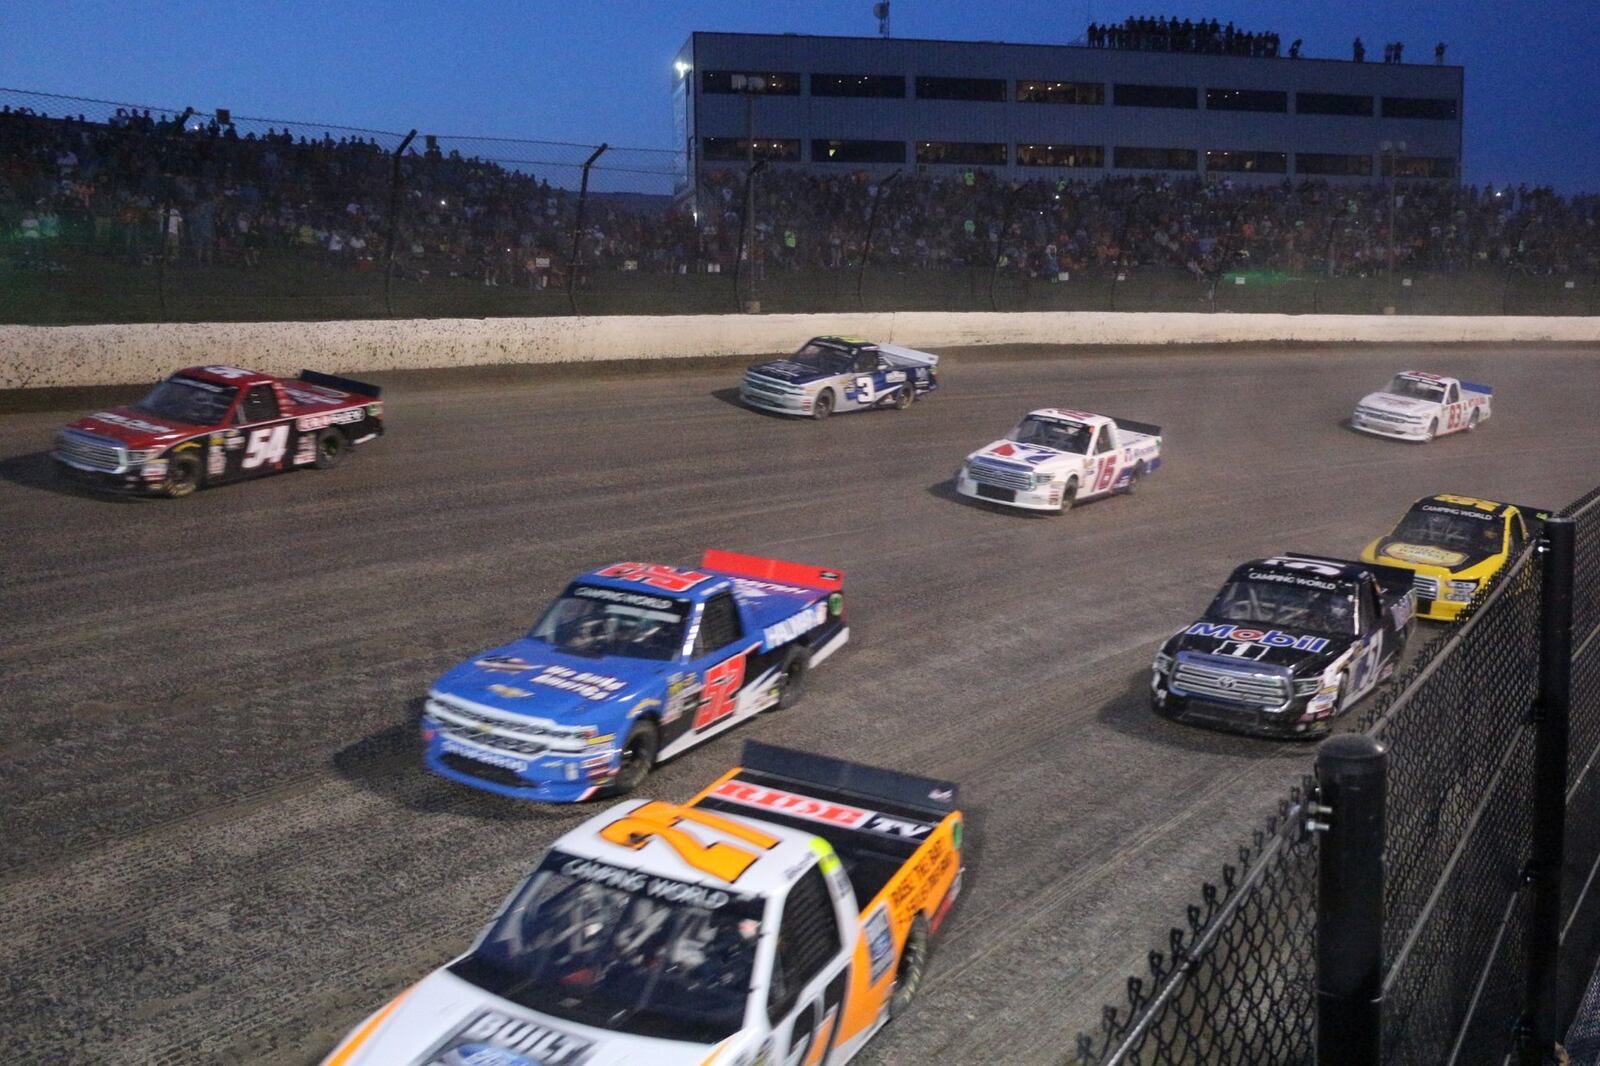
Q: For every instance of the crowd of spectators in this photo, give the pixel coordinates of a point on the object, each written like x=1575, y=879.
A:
x=144, y=189
x=1170, y=35
x=1204, y=226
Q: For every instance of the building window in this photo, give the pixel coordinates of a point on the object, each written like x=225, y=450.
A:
x=1060, y=92
x=1155, y=158
x=724, y=149
x=1418, y=107
x=1246, y=100
x=778, y=83
x=1416, y=166
x=1342, y=166
x=858, y=151
x=892, y=85
x=1060, y=155
x=965, y=153
x=987, y=90
x=1332, y=104
x=1183, y=96
x=1247, y=162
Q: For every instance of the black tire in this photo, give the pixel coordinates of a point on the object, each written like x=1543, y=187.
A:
x=1472, y=423
x=791, y=681
x=638, y=757
x=913, y=965
x=822, y=406
x=905, y=397
x=331, y=449
x=1133, y=478
x=1069, y=495
x=183, y=475
x=1433, y=429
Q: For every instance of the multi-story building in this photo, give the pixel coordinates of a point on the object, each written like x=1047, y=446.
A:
x=1048, y=111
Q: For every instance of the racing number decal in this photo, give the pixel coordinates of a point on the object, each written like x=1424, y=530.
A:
x=1108, y=470
x=1469, y=501
x=660, y=577
x=722, y=682
x=266, y=446
x=661, y=821
x=1309, y=565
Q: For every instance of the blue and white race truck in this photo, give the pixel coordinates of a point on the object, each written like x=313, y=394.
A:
x=830, y=374
x=633, y=664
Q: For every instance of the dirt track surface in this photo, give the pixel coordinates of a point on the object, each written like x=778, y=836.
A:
x=219, y=844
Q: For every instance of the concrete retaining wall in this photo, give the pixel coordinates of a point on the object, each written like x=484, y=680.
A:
x=57, y=356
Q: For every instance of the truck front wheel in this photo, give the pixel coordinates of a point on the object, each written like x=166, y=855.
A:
x=913, y=962
x=183, y=475
x=638, y=757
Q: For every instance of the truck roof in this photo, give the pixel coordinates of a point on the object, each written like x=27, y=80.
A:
x=768, y=856
x=1066, y=414
x=218, y=374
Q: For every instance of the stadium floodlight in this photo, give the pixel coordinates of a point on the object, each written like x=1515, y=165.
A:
x=682, y=68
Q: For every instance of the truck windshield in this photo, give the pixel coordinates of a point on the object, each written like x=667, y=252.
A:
x=1285, y=606
x=622, y=950
x=1048, y=433
x=1416, y=389
x=196, y=403
x=592, y=620
x=1442, y=527
x=824, y=358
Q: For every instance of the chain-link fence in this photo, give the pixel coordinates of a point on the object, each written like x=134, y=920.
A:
x=113, y=212
x=1461, y=860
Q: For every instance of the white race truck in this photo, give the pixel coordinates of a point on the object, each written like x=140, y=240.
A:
x=1421, y=406
x=781, y=916
x=1055, y=458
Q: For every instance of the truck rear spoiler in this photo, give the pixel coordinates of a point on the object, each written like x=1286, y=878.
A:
x=1473, y=386
x=330, y=381
x=754, y=566
x=823, y=777
x=911, y=355
x=1136, y=427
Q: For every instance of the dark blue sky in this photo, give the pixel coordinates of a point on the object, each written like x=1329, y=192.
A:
x=590, y=70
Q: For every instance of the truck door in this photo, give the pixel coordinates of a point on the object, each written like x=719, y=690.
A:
x=867, y=386
x=810, y=974
x=1454, y=408
x=1364, y=670
x=1106, y=462
x=722, y=659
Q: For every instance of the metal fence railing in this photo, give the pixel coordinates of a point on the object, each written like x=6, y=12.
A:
x=112, y=212
x=1486, y=906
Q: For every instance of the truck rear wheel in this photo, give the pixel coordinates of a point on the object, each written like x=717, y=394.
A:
x=1133, y=478
x=913, y=963
x=331, y=448
x=905, y=397
x=791, y=680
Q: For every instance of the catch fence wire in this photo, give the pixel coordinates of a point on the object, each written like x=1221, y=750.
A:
x=1459, y=827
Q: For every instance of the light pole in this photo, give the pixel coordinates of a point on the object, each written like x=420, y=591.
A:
x=1391, y=151
x=750, y=86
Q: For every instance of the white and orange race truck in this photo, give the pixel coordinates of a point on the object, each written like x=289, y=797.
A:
x=782, y=916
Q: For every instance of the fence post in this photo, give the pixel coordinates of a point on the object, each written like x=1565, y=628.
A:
x=394, y=219
x=577, y=229
x=1352, y=780
x=1543, y=1008
x=866, y=245
x=1000, y=243
x=746, y=252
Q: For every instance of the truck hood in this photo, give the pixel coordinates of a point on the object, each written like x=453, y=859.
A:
x=531, y=678
x=134, y=428
x=1300, y=652
x=1031, y=456
x=445, y=1021
x=1403, y=553
x=792, y=372
x=1400, y=405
